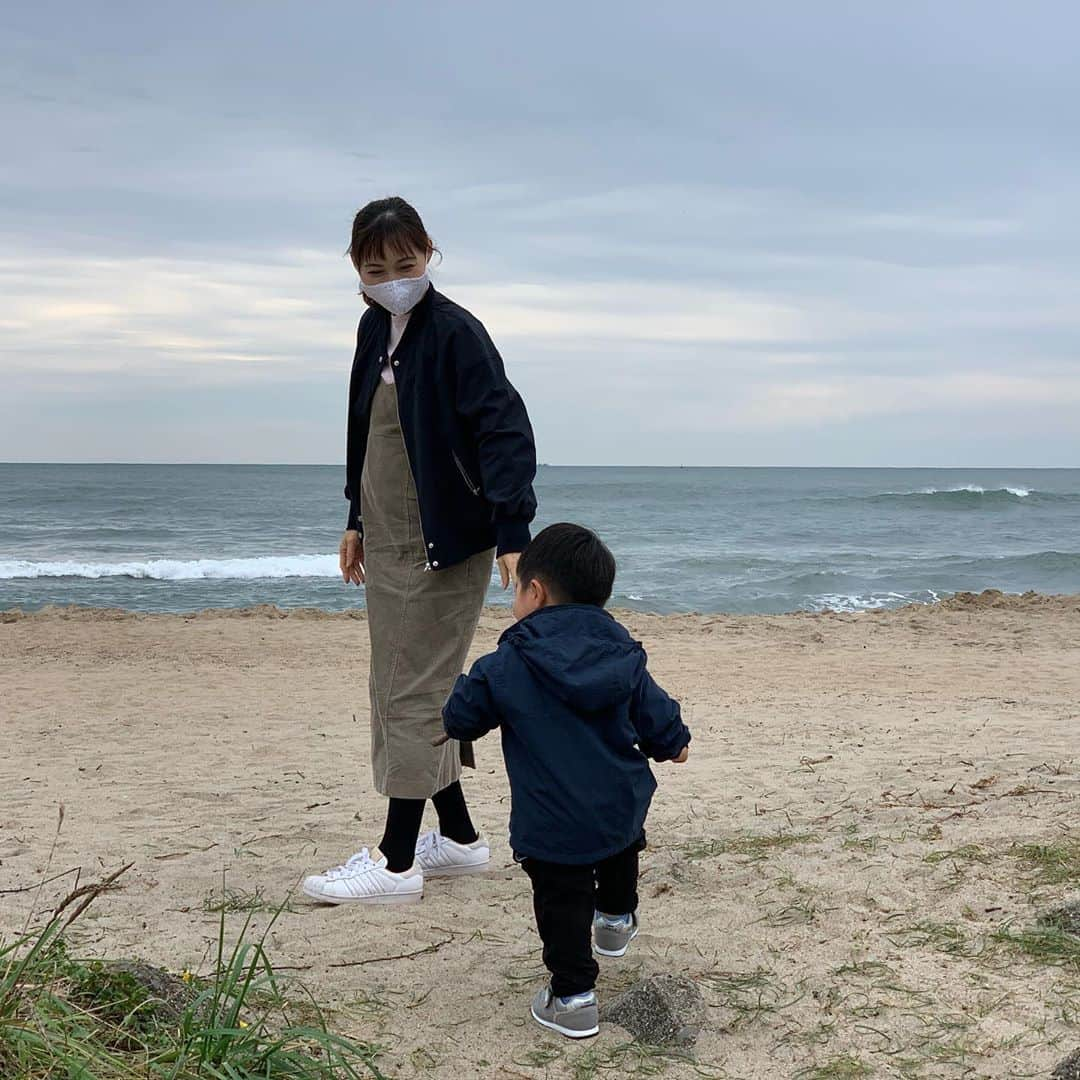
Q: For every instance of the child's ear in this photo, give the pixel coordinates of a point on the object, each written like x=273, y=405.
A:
x=540, y=593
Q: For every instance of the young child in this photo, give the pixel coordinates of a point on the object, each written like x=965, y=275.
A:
x=580, y=717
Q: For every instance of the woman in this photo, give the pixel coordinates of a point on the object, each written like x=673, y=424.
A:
x=440, y=463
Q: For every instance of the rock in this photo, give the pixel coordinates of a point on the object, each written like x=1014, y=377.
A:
x=1066, y=917
x=169, y=994
x=664, y=1010
x=1069, y=1069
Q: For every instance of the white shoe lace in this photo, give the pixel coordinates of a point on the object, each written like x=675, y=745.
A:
x=428, y=845
x=360, y=863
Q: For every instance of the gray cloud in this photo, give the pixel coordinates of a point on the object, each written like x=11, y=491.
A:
x=828, y=233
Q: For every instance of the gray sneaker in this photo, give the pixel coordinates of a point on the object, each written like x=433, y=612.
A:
x=577, y=1017
x=613, y=933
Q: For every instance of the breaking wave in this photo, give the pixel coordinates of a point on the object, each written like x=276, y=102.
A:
x=260, y=568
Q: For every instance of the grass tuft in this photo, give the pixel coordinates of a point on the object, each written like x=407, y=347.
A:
x=1056, y=863
x=845, y=1067
x=756, y=847
x=1043, y=944
x=747, y=995
x=968, y=853
x=941, y=937
x=90, y=1020
x=238, y=901
x=632, y=1059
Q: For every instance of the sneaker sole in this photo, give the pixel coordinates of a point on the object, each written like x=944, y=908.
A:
x=387, y=898
x=458, y=871
x=615, y=952
x=568, y=1032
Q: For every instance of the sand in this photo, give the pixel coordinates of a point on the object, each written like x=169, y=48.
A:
x=876, y=807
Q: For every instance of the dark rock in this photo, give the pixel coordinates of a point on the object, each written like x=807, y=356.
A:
x=664, y=1010
x=169, y=994
x=1069, y=1069
x=1066, y=917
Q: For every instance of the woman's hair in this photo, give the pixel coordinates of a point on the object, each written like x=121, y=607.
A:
x=387, y=224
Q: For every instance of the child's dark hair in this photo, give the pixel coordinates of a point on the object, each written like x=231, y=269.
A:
x=573, y=562
x=387, y=224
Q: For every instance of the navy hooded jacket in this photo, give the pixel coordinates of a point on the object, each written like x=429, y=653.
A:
x=580, y=716
x=466, y=431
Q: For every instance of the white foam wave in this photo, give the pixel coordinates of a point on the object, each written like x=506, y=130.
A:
x=970, y=489
x=865, y=602
x=267, y=566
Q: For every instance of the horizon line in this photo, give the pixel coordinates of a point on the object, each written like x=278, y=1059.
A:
x=541, y=465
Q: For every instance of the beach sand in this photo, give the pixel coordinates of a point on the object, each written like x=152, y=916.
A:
x=876, y=808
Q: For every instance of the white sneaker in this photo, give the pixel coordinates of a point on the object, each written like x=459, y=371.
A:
x=364, y=880
x=438, y=856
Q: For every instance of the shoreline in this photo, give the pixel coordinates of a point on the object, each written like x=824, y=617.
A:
x=987, y=600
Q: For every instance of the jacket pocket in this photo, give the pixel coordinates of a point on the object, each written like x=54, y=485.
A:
x=469, y=483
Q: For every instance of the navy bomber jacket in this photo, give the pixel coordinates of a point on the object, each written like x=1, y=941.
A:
x=580, y=717
x=467, y=434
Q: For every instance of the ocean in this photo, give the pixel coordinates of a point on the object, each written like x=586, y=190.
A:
x=178, y=538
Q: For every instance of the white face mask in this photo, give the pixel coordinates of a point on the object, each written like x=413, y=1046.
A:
x=399, y=296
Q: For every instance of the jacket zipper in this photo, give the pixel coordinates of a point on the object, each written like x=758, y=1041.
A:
x=405, y=446
x=474, y=488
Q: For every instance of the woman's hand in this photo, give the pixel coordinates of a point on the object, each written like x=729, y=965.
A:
x=351, y=557
x=508, y=568
x=683, y=755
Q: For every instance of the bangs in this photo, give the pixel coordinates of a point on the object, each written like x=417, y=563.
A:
x=389, y=238
x=385, y=229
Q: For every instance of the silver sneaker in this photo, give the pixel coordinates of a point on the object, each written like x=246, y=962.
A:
x=576, y=1018
x=612, y=934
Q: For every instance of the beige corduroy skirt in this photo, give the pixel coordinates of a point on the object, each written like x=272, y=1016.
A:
x=422, y=622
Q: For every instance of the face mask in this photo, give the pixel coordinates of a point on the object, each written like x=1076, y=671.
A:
x=399, y=296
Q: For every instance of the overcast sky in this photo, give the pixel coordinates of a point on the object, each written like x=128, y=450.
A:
x=699, y=233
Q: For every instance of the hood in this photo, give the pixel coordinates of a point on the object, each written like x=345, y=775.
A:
x=580, y=654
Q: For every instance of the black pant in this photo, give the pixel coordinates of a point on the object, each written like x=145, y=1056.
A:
x=404, y=817
x=565, y=898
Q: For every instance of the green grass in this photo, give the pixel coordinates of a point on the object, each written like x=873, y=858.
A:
x=631, y=1059
x=869, y=969
x=845, y=1067
x=969, y=853
x=756, y=847
x=1043, y=944
x=1057, y=863
x=746, y=995
x=941, y=937
x=869, y=843
x=69, y=1019
x=539, y=1057
x=233, y=901
x=798, y=913
x=1066, y=918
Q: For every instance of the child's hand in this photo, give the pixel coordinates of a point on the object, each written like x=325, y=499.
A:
x=681, y=759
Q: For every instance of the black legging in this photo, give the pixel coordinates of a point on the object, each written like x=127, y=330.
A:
x=404, y=817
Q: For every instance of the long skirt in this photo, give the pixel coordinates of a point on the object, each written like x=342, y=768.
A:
x=421, y=621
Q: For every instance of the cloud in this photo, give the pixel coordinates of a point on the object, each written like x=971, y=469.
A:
x=809, y=403
x=733, y=235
